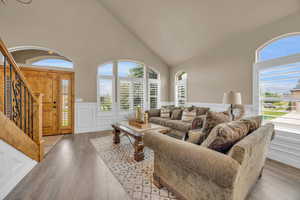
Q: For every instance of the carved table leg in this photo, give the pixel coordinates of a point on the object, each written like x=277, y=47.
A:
x=138, y=149
x=116, y=138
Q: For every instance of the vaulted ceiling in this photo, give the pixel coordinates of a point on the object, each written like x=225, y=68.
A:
x=177, y=30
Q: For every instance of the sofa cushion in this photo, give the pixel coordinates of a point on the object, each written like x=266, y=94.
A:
x=212, y=119
x=188, y=116
x=225, y=135
x=159, y=120
x=165, y=113
x=179, y=125
x=195, y=136
x=176, y=114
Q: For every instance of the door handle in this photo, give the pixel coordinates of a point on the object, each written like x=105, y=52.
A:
x=54, y=106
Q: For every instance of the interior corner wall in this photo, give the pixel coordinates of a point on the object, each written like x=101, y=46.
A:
x=83, y=31
x=228, y=65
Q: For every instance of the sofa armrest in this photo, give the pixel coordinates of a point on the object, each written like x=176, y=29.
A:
x=258, y=141
x=153, y=112
x=217, y=167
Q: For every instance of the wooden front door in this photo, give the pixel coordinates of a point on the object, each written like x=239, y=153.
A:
x=57, y=88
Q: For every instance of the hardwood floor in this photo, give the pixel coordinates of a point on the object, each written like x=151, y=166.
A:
x=50, y=142
x=72, y=170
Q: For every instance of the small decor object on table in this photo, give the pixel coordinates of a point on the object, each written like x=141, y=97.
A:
x=232, y=98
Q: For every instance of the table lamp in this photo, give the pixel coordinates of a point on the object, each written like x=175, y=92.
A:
x=232, y=98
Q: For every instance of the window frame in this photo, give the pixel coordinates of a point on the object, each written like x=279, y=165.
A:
x=267, y=64
x=116, y=86
x=184, y=83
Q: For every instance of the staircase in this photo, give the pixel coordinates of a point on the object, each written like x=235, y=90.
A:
x=21, y=142
x=20, y=110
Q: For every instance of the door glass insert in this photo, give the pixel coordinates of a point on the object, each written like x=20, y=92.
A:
x=65, y=104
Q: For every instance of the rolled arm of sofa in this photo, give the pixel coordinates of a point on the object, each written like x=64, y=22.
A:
x=217, y=167
x=255, y=142
x=153, y=112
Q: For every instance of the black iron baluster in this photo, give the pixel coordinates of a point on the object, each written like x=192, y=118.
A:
x=10, y=92
x=5, y=95
x=25, y=111
x=20, y=103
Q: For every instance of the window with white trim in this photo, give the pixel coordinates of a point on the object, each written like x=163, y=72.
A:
x=277, y=83
x=125, y=85
x=181, y=89
x=153, y=89
x=106, y=87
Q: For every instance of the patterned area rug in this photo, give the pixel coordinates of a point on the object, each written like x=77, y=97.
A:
x=135, y=177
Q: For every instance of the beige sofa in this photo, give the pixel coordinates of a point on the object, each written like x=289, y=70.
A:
x=179, y=128
x=194, y=172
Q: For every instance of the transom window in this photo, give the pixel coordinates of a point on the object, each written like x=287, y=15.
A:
x=277, y=90
x=51, y=62
x=181, y=88
x=125, y=85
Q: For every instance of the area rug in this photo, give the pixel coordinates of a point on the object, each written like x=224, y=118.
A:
x=135, y=177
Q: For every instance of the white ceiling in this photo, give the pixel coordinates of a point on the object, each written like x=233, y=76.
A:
x=177, y=30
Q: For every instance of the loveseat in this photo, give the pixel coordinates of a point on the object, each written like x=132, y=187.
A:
x=179, y=128
x=197, y=172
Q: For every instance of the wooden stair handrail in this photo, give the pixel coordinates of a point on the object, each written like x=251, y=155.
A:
x=12, y=61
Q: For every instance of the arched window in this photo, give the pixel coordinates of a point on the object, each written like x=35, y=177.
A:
x=125, y=85
x=53, y=63
x=277, y=82
x=181, y=89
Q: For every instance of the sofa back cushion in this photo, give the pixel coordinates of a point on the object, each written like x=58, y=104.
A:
x=188, y=116
x=213, y=119
x=202, y=110
x=225, y=135
x=176, y=114
x=165, y=113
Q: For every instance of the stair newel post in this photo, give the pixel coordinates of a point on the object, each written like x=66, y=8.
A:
x=38, y=125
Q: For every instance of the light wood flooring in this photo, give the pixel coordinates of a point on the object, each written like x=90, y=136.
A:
x=73, y=170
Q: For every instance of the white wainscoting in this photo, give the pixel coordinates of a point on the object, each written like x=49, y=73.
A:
x=285, y=147
x=14, y=166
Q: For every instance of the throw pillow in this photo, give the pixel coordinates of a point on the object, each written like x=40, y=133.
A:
x=188, y=116
x=225, y=135
x=198, y=122
x=176, y=114
x=253, y=122
x=165, y=113
x=213, y=119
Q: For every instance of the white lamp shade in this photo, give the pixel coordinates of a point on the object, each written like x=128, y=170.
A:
x=232, y=98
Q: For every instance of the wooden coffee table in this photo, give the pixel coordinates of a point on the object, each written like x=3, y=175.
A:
x=137, y=134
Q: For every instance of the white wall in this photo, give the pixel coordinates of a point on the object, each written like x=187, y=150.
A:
x=83, y=31
x=14, y=165
x=229, y=64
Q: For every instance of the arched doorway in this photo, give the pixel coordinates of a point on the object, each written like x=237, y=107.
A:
x=50, y=73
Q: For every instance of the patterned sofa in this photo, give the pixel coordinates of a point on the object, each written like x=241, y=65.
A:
x=179, y=128
x=206, y=171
